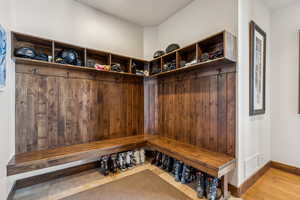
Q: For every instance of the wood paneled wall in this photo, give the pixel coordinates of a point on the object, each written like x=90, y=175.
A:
x=57, y=107
x=197, y=107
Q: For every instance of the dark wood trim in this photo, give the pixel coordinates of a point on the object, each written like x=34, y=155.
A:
x=286, y=168
x=54, y=175
x=12, y=192
x=254, y=27
x=239, y=191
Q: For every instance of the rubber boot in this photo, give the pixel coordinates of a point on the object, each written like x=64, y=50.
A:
x=104, y=165
x=174, y=167
x=212, y=189
x=142, y=156
x=163, y=161
x=154, y=157
x=201, y=185
x=178, y=170
x=113, y=163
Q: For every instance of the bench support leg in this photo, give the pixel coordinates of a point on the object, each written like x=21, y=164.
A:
x=224, y=187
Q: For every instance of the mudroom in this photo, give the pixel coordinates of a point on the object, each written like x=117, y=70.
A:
x=139, y=100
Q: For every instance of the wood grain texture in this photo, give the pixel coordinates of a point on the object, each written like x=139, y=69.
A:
x=58, y=107
x=92, y=151
x=196, y=107
x=286, y=168
x=275, y=185
x=213, y=163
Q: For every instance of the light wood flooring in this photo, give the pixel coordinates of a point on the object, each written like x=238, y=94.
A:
x=275, y=185
x=66, y=186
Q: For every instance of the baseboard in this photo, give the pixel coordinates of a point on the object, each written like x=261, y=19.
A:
x=286, y=168
x=239, y=191
x=12, y=192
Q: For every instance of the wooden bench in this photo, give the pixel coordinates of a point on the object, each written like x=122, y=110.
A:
x=30, y=161
x=213, y=163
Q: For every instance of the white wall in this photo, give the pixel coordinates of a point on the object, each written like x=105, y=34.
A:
x=72, y=22
x=150, y=42
x=254, y=132
x=199, y=19
x=6, y=108
x=67, y=21
x=285, y=121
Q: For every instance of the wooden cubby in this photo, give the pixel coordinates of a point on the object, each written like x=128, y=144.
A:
x=97, y=57
x=155, y=66
x=125, y=62
x=186, y=55
x=168, y=58
x=39, y=44
x=59, y=46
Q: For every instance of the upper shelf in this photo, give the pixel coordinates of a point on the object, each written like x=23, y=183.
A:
x=218, y=49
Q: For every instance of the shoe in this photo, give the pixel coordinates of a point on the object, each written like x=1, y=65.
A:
x=201, y=185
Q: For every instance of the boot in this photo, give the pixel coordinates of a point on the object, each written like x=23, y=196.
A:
x=154, y=157
x=158, y=159
x=186, y=174
x=137, y=159
x=122, y=161
x=104, y=165
x=163, y=161
x=113, y=163
x=170, y=164
x=178, y=170
x=212, y=189
x=201, y=184
x=142, y=156
x=174, y=167
x=129, y=159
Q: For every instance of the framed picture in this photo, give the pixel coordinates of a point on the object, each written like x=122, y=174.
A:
x=258, y=41
x=3, y=44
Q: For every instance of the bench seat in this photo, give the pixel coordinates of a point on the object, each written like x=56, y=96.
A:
x=213, y=163
x=31, y=161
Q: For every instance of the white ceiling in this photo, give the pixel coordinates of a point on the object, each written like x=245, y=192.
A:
x=275, y=4
x=141, y=12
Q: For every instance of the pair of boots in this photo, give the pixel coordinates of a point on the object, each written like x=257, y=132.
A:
x=183, y=173
x=207, y=186
x=108, y=164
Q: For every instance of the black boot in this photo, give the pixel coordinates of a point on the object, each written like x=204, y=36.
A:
x=170, y=164
x=212, y=189
x=178, y=170
x=113, y=163
x=158, y=159
x=104, y=165
x=174, y=167
x=165, y=161
x=201, y=185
